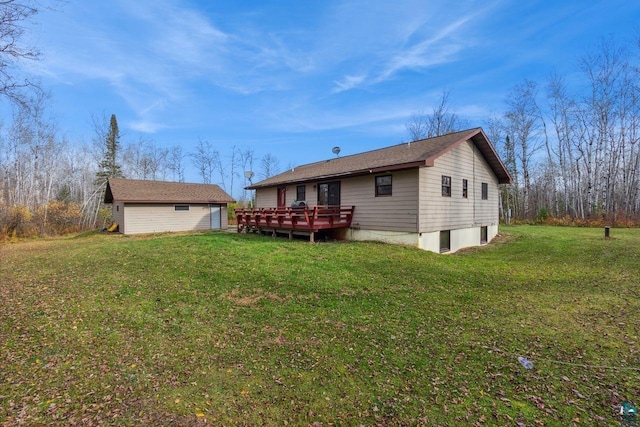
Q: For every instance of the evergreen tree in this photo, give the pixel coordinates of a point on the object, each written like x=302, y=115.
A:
x=109, y=167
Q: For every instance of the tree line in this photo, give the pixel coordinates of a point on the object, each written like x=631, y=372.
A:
x=571, y=145
x=49, y=186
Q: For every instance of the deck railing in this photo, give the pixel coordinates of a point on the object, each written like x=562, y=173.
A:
x=295, y=218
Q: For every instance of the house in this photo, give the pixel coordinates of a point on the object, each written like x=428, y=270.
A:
x=439, y=194
x=153, y=206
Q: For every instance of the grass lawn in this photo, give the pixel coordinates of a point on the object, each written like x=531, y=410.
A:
x=228, y=329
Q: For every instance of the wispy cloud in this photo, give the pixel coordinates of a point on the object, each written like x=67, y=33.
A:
x=348, y=82
x=146, y=126
x=405, y=36
x=320, y=118
x=170, y=54
x=437, y=49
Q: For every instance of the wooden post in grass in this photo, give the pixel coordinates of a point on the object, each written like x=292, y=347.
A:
x=606, y=232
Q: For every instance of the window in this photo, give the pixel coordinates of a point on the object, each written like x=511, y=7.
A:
x=301, y=193
x=485, y=191
x=383, y=185
x=465, y=192
x=446, y=186
x=483, y=235
x=117, y=208
x=329, y=193
x=180, y=207
x=445, y=241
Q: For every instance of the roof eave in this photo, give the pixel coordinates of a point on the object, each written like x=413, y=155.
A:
x=360, y=172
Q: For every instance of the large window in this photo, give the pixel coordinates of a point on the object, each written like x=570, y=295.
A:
x=301, y=193
x=329, y=193
x=485, y=191
x=445, y=241
x=465, y=186
x=383, y=185
x=446, y=186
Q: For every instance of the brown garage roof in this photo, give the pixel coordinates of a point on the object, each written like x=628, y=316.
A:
x=419, y=153
x=138, y=191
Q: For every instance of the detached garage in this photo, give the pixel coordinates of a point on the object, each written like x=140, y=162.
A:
x=156, y=206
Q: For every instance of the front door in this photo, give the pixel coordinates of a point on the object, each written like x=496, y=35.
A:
x=282, y=197
x=216, y=220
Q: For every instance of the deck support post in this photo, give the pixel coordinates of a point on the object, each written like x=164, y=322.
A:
x=290, y=234
x=311, y=240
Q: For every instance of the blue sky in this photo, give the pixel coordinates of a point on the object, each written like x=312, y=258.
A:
x=296, y=78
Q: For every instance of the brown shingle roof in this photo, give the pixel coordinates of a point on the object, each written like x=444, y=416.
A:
x=403, y=156
x=138, y=191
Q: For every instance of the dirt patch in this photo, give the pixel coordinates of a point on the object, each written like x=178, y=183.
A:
x=251, y=300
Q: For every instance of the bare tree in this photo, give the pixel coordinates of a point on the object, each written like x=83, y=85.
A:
x=599, y=126
x=234, y=165
x=269, y=166
x=204, y=158
x=417, y=126
x=35, y=149
x=523, y=124
x=145, y=160
x=562, y=111
x=592, y=164
x=14, y=16
x=175, y=163
x=440, y=122
x=221, y=168
x=245, y=162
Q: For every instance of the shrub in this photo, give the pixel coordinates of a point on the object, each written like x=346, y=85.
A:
x=16, y=222
x=58, y=217
x=543, y=214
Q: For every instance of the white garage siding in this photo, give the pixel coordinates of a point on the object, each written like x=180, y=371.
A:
x=154, y=218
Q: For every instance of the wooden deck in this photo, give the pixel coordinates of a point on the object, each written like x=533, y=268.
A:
x=297, y=220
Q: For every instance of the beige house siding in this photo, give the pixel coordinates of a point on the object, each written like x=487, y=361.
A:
x=153, y=218
x=311, y=191
x=450, y=213
x=267, y=197
x=397, y=212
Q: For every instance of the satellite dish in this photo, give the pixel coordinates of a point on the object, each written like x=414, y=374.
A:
x=336, y=151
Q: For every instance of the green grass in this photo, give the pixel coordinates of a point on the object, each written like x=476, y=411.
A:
x=249, y=330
